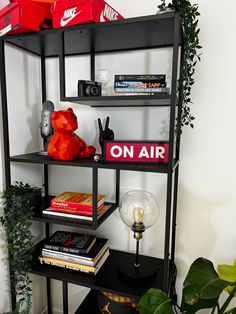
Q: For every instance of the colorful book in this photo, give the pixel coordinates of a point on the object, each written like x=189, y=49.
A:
x=75, y=266
x=89, y=213
x=76, y=200
x=138, y=84
x=165, y=90
x=77, y=214
x=70, y=242
x=99, y=248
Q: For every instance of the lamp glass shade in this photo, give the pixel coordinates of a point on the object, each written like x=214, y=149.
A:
x=139, y=206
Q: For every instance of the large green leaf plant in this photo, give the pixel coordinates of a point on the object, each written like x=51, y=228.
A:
x=202, y=289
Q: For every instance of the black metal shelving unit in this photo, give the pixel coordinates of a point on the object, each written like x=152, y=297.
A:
x=132, y=34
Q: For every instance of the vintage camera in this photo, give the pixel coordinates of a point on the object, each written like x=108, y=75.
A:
x=89, y=88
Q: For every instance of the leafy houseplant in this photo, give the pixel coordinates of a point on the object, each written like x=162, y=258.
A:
x=202, y=288
x=189, y=16
x=18, y=201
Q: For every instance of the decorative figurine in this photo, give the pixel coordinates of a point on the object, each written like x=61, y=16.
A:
x=65, y=144
x=104, y=135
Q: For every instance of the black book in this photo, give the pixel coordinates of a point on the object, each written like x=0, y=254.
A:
x=99, y=247
x=70, y=242
x=141, y=77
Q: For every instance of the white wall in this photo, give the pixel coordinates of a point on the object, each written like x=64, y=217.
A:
x=206, y=203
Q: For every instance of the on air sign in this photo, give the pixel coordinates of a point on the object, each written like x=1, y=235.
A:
x=136, y=151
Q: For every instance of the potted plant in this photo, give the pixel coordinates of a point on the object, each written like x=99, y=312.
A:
x=202, y=289
x=189, y=18
x=19, y=201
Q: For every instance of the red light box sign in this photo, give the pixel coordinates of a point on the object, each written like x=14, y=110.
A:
x=136, y=151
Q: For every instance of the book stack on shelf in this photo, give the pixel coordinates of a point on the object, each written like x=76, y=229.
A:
x=76, y=205
x=140, y=84
x=81, y=252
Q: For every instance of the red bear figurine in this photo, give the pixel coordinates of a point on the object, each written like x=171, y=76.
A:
x=66, y=145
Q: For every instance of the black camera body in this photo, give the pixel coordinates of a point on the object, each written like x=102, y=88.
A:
x=89, y=88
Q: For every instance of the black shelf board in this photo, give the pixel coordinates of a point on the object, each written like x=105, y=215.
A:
x=108, y=278
x=133, y=33
x=161, y=100
x=79, y=223
x=89, y=304
x=36, y=158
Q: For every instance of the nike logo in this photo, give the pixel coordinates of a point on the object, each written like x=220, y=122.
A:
x=68, y=16
x=109, y=14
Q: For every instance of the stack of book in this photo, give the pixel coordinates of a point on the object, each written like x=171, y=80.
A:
x=140, y=84
x=81, y=252
x=76, y=205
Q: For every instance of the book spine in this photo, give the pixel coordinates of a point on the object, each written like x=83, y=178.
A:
x=139, y=84
x=55, y=213
x=65, y=264
x=70, y=211
x=133, y=94
x=64, y=249
x=85, y=207
x=67, y=258
x=140, y=77
x=144, y=90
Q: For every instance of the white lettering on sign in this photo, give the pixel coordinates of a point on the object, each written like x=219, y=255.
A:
x=129, y=151
x=154, y=152
x=119, y=151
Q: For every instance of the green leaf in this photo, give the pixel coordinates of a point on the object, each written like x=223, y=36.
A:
x=227, y=272
x=202, y=286
x=155, y=301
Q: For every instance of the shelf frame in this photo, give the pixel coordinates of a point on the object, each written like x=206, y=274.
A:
x=55, y=43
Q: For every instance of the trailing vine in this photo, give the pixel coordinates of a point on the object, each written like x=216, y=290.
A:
x=18, y=203
x=189, y=17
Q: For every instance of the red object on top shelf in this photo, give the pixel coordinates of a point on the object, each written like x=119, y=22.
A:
x=22, y=16
x=72, y=12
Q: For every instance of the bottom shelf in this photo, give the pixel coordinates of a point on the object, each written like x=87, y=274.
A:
x=96, y=303
x=89, y=304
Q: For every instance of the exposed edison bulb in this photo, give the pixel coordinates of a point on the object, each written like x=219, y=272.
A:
x=139, y=207
x=138, y=214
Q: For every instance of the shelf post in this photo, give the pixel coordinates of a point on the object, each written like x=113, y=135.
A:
x=65, y=297
x=117, y=187
x=6, y=144
x=169, y=195
x=62, y=71
x=95, y=193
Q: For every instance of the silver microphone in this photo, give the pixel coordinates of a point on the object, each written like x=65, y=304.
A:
x=46, y=124
x=46, y=119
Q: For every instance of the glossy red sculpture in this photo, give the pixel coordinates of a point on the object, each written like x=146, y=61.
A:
x=65, y=144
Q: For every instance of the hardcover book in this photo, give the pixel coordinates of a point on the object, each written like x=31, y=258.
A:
x=76, y=200
x=138, y=84
x=165, y=90
x=140, y=77
x=73, y=213
x=70, y=242
x=99, y=248
x=75, y=266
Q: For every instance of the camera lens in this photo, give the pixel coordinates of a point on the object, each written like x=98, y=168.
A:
x=94, y=91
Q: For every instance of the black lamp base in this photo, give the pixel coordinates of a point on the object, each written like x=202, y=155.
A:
x=145, y=271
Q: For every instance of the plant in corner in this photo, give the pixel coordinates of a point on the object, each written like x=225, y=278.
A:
x=189, y=18
x=202, y=289
x=18, y=201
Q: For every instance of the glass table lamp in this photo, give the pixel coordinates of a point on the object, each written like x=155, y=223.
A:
x=139, y=211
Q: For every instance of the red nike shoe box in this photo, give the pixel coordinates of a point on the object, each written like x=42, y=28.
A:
x=72, y=12
x=21, y=16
